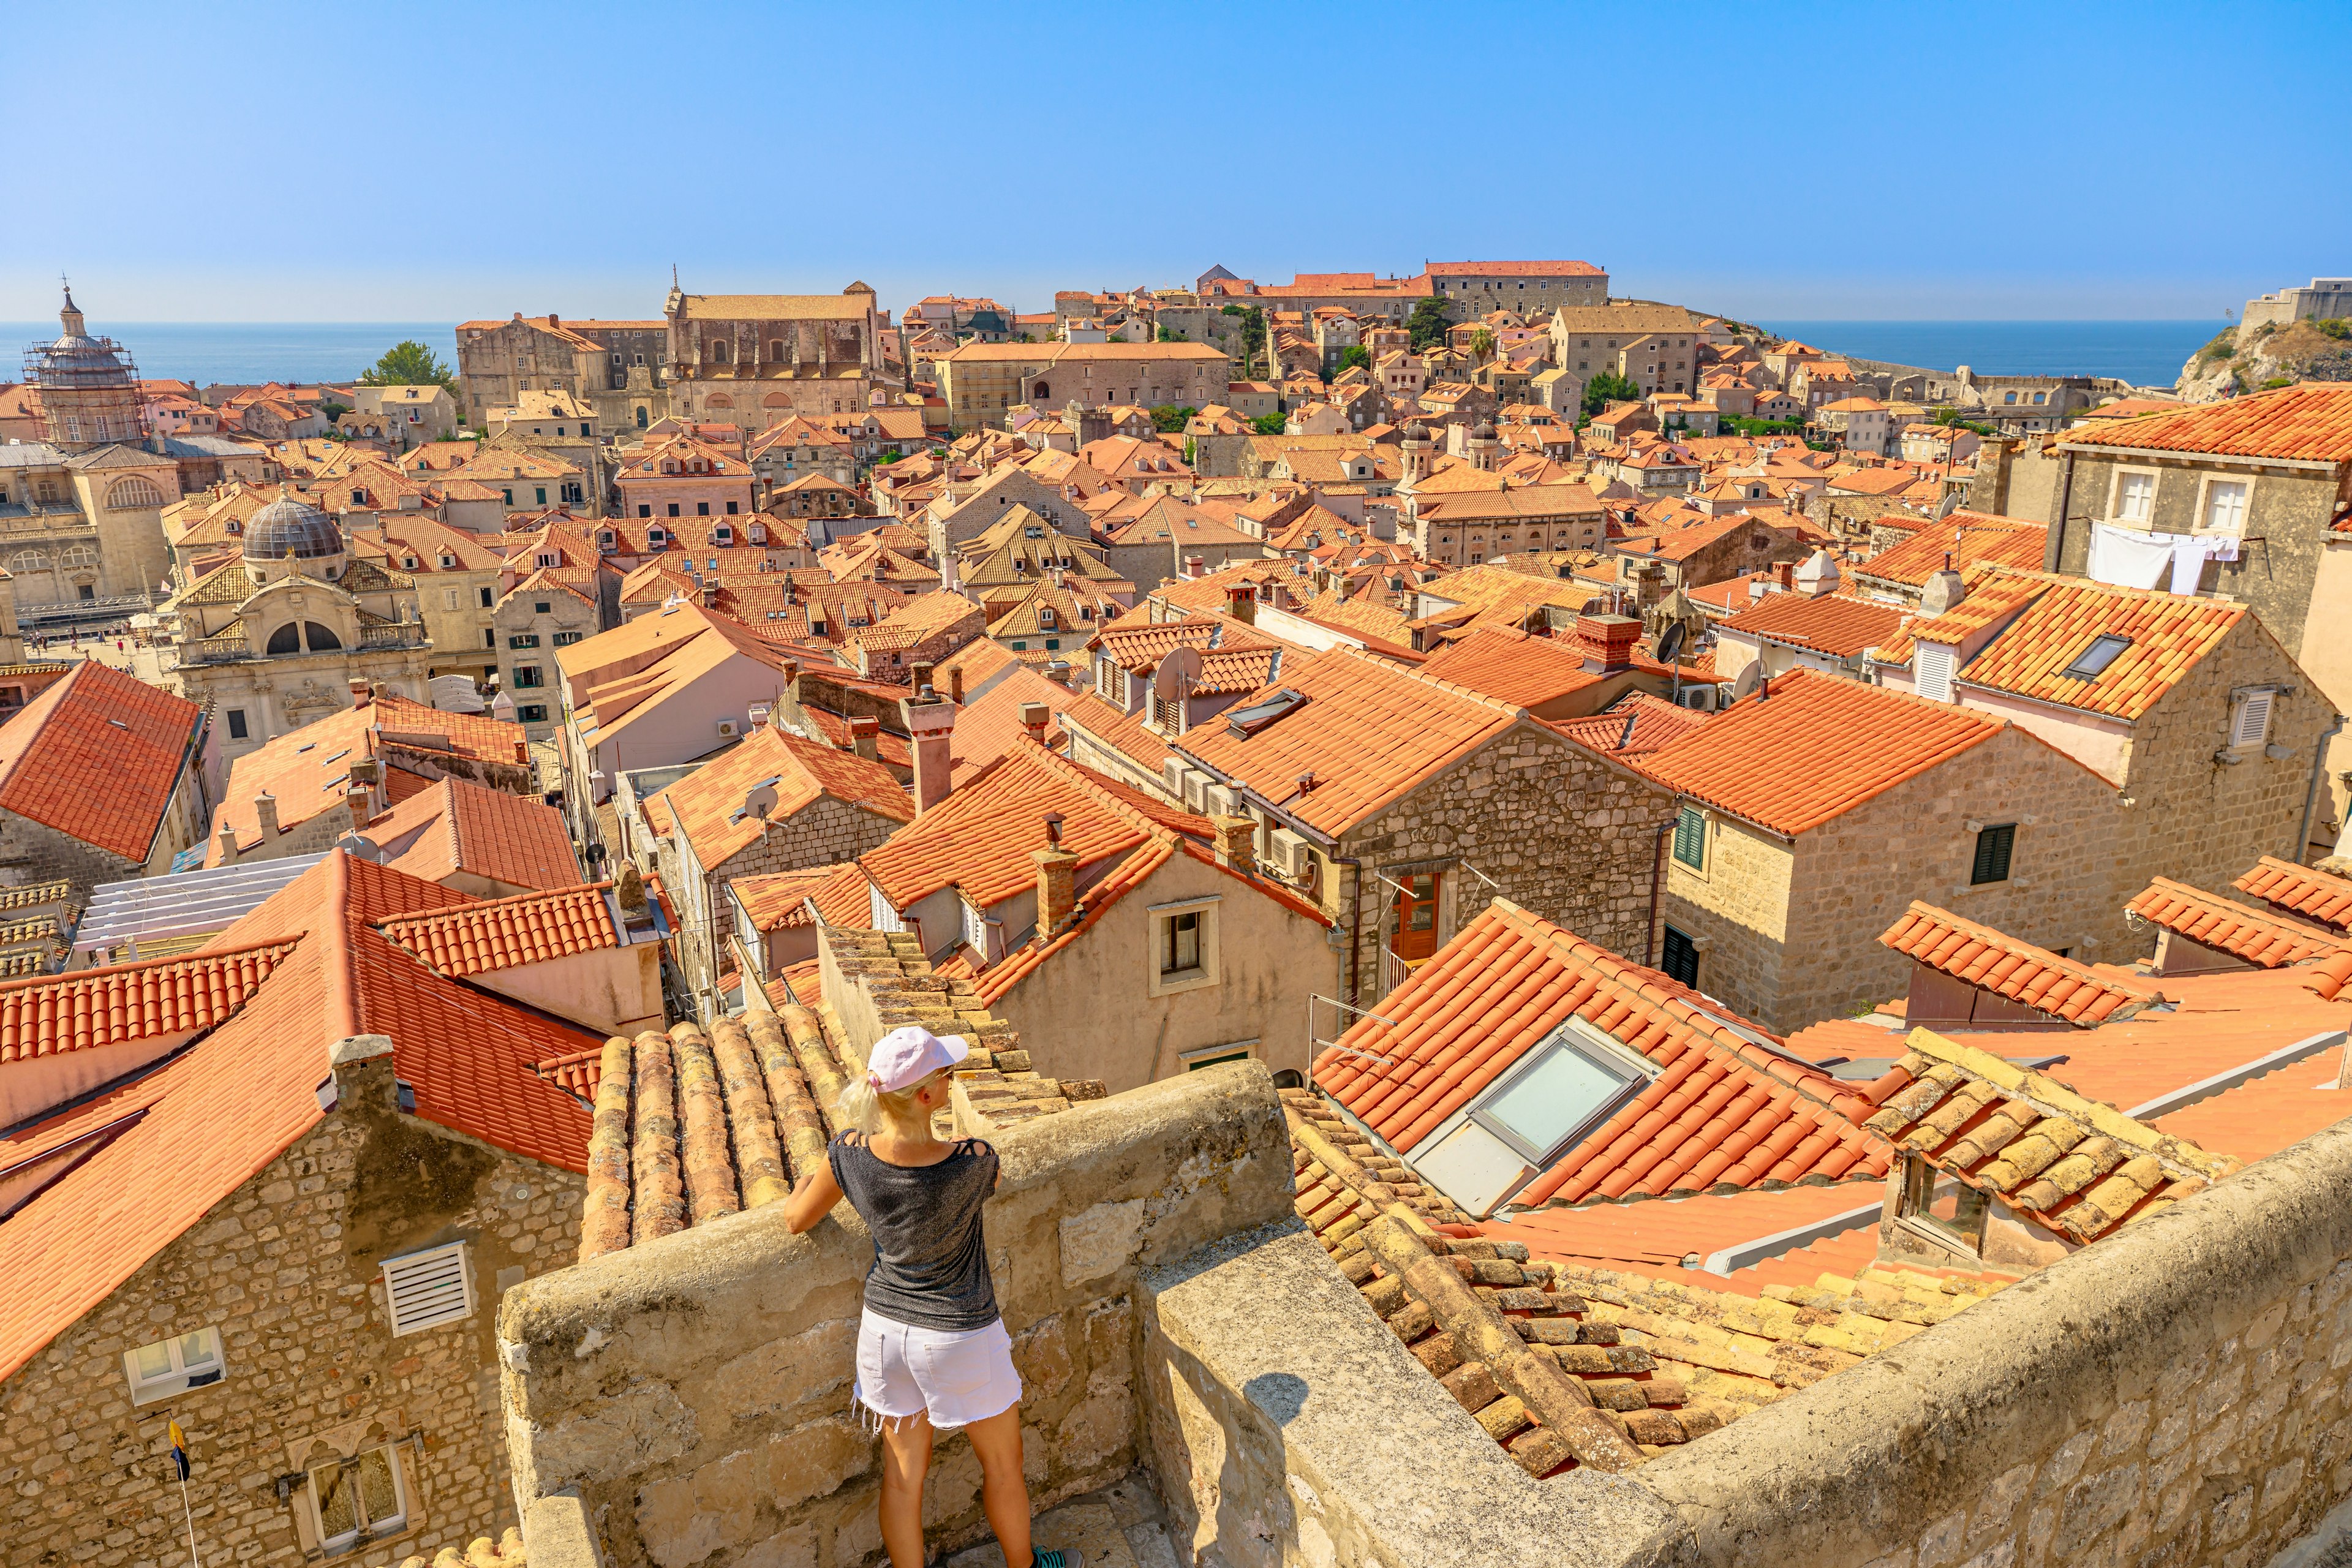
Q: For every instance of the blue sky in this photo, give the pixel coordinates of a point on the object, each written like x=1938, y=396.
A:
x=331, y=162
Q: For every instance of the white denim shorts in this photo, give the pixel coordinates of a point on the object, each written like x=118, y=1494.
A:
x=956, y=1378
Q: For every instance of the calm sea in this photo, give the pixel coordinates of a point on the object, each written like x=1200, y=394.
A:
x=2146, y=353
x=207, y=351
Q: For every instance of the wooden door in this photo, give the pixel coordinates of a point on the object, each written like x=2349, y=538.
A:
x=1414, y=929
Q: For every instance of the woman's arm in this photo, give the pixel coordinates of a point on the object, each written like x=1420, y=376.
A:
x=811, y=1200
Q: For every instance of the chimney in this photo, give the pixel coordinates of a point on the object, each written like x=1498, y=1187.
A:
x=1944, y=590
x=955, y=684
x=919, y=675
x=265, y=811
x=362, y=806
x=1034, y=717
x=522, y=753
x=1988, y=490
x=360, y=691
x=1818, y=576
x=931, y=731
x=226, y=836
x=1194, y=566
x=1057, y=888
x=865, y=734
x=1241, y=604
x=1236, y=841
x=1608, y=642
x=1784, y=575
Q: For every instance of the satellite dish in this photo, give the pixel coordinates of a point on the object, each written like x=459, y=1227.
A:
x=1178, y=674
x=360, y=847
x=1747, y=680
x=1670, y=643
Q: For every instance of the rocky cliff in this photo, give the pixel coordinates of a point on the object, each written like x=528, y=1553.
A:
x=2252, y=359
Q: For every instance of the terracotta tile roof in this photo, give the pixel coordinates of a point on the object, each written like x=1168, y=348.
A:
x=1969, y=537
x=775, y=899
x=2300, y=890
x=1832, y=624
x=1368, y=731
x=1727, y=1109
x=228, y=1106
x=502, y=933
x=1992, y=961
x=2062, y=616
x=1122, y=732
x=1655, y=1238
x=123, y=1002
x=2078, y=1166
x=1511, y=667
x=709, y=802
x=1814, y=748
x=517, y=840
x=1138, y=648
x=2311, y=421
x=96, y=757
x=2256, y=935
x=989, y=722
x=1656, y=722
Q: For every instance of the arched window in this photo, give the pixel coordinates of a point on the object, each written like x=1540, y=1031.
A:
x=322, y=639
x=131, y=493
x=80, y=558
x=641, y=416
x=719, y=400
x=718, y=351
x=1040, y=393
x=287, y=638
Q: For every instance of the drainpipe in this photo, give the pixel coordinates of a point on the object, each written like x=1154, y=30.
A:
x=2311, y=793
x=1657, y=889
x=2055, y=547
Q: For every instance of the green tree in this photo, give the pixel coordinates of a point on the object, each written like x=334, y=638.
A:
x=409, y=363
x=1170, y=335
x=1606, y=388
x=1269, y=424
x=1169, y=418
x=1359, y=354
x=1427, y=324
x=1253, y=334
x=1482, y=343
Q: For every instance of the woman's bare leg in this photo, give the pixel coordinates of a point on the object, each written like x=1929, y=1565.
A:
x=1003, y=1494
x=906, y=1457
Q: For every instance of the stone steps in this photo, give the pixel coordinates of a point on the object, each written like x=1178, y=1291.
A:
x=1118, y=1527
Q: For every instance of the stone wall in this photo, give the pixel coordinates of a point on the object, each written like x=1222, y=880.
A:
x=287, y=1268
x=1734, y=909
x=33, y=852
x=696, y=1388
x=1563, y=833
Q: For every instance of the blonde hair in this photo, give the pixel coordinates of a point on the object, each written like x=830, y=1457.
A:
x=863, y=1107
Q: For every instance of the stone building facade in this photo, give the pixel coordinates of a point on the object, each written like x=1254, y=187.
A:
x=287, y=1272
x=980, y=380
x=615, y=365
x=756, y=360
x=84, y=529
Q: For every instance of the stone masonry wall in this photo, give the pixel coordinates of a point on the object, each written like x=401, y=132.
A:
x=827, y=830
x=31, y=852
x=1562, y=832
x=1736, y=907
x=696, y=1388
x=287, y=1268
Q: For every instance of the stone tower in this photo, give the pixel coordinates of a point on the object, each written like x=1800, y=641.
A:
x=89, y=388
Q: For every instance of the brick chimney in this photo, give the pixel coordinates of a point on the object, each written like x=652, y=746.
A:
x=1195, y=566
x=864, y=735
x=1033, y=718
x=919, y=675
x=1241, y=603
x=1608, y=642
x=1784, y=574
x=1057, y=890
x=931, y=730
x=955, y=684
x=1236, y=841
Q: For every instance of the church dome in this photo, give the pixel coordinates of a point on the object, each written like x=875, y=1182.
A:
x=1482, y=432
x=292, y=524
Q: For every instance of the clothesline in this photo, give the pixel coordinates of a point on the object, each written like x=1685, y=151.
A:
x=2132, y=558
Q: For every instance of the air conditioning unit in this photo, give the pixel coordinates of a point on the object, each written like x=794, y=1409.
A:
x=1217, y=800
x=1291, y=856
x=728, y=728
x=1180, y=777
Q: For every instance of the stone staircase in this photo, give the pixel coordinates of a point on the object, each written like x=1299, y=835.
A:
x=1121, y=1526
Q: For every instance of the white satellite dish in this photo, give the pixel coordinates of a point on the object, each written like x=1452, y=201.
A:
x=1747, y=680
x=1179, y=672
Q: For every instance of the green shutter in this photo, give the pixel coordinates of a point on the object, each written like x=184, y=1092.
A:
x=1690, y=839
x=1993, y=846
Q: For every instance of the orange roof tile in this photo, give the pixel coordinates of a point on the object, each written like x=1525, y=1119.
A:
x=96, y=757
x=1992, y=961
x=1728, y=1111
x=517, y=840
x=709, y=802
x=55, y=1013
x=1967, y=538
x=502, y=933
x=1122, y=732
x=1813, y=748
x=2302, y=889
x=1511, y=667
x=222, y=1111
x=1832, y=624
x=774, y=900
x=1656, y=722
x=1367, y=733
x=2256, y=935
x=2311, y=421
x=2169, y=633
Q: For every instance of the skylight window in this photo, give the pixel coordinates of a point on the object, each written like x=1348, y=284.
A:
x=2093, y=662
x=1557, y=1095
x=1247, y=722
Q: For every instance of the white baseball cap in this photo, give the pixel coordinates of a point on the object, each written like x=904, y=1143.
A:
x=906, y=1057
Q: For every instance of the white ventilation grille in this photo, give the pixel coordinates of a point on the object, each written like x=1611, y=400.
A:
x=1935, y=666
x=428, y=1288
x=2254, y=725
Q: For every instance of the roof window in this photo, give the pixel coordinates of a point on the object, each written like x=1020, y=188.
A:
x=2093, y=662
x=1571, y=1082
x=1247, y=722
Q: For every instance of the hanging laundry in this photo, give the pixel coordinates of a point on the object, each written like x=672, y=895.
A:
x=2127, y=558
x=2188, y=563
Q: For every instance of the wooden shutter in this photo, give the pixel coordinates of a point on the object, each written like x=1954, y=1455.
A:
x=1690, y=839
x=1680, y=959
x=1993, y=847
x=428, y=1288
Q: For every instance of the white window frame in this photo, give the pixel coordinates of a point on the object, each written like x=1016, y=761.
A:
x=2205, y=483
x=370, y=1531
x=2115, y=494
x=180, y=1378
x=1207, y=972
x=1210, y=1055
x=427, y=1270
